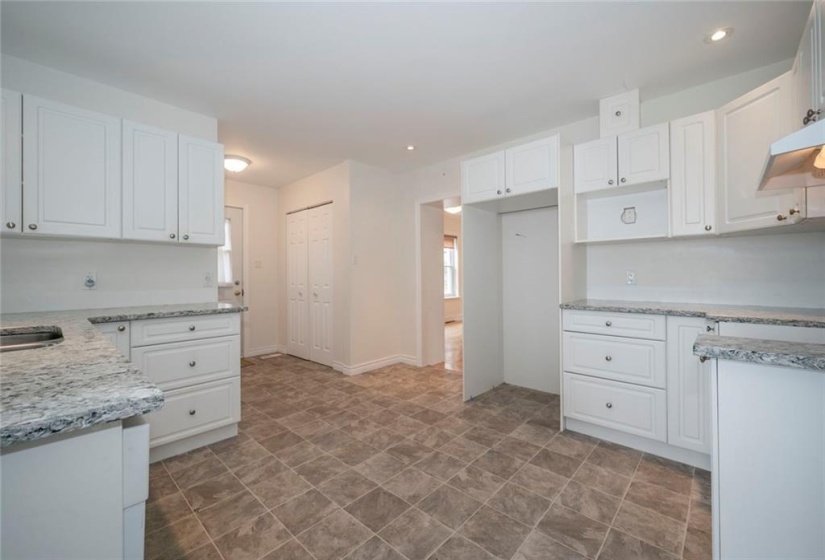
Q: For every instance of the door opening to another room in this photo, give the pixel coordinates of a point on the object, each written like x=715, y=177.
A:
x=453, y=318
x=231, y=287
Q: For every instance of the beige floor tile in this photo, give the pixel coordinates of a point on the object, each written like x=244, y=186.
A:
x=580, y=533
x=253, y=539
x=658, y=530
x=415, y=534
x=590, y=502
x=520, y=504
x=449, y=506
x=377, y=508
x=346, y=487
x=541, y=547
x=495, y=532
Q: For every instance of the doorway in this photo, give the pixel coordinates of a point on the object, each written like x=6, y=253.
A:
x=231, y=259
x=453, y=272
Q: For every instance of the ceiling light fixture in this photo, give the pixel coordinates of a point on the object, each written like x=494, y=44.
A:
x=410, y=148
x=819, y=162
x=719, y=34
x=453, y=210
x=235, y=164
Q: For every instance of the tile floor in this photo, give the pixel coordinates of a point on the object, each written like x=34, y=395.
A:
x=391, y=465
x=453, y=346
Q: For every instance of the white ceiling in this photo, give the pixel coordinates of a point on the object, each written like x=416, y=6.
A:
x=299, y=87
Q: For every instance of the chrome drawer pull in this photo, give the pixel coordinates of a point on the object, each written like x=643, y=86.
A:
x=192, y=363
x=608, y=323
x=191, y=327
x=609, y=405
x=608, y=358
x=192, y=412
x=121, y=328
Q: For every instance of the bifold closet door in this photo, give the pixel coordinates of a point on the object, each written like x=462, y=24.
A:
x=320, y=284
x=296, y=270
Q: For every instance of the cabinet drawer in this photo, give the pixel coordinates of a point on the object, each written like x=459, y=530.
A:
x=196, y=409
x=184, y=363
x=161, y=331
x=633, y=325
x=624, y=359
x=629, y=408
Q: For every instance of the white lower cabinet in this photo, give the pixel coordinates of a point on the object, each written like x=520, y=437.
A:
x=119, y=335
x=181, y=364
x=688, y=385
x=632, y=360
x=634, y=409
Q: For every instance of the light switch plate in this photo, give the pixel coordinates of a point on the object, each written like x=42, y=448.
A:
x=630, y=277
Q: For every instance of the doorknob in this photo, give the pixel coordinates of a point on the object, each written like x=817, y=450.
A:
x=237, y=292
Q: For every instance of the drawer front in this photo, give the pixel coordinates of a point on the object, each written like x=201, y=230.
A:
x=191, y=411
x=181, y=364
x=624, y=359
x=641, y=411
x=633, y=325
x=161, y=331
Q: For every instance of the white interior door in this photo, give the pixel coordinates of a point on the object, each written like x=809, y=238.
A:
x=296, y=270
x=530, y=293
x=231, y=281
x=432, y=284
x=320, y=284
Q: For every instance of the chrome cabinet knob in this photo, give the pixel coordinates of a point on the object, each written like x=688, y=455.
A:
x=608, y=323
x=507, y=190
x=191, y=327
x=186, y=237
x=623, y=180
x=32, y=227
x=11, y=225
x=172, y=236
x=498, y=191
x=610, y=182
x=609, y=405
x=793, y=211
x=618, y=113
x=703, y=359
x=781, y=218
x=193, y=363
x=608, y=358
x=709, y=328
x=121, y=328
x=192, y=412
x=708, y=228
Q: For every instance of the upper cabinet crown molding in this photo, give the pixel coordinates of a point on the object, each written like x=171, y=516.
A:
x=619, y=114
x=11, y=177
x=150, y=183
x=693, y=175
x=71, y=170
x=522, y=169
x=200, y=190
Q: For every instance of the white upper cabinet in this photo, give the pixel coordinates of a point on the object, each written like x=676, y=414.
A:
x=523, y=169
x=483, y=178
x=150, y=183
x=693, y=175
x=71, y=170
x=746, y=127
x=808, y=68
x=200, y=189
x=644, y=155
x=11, y=175
x=819, y=6
x=594, y=165
x=619, y=114
x=533, y=167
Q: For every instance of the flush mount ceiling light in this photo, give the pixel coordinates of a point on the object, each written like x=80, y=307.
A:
x=819, y=162
x=719, y=35
x=453, y=210
x=235, y=164
x=410, y=148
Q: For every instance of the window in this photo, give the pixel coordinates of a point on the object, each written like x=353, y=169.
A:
x=225, y=256
x=450, y=266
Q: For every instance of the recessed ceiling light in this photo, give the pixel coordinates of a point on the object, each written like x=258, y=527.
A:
x=453, y=210
x=719, y=34
x=235, y=164
x=410, y=148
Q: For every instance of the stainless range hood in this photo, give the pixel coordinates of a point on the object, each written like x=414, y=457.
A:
x=796, y=160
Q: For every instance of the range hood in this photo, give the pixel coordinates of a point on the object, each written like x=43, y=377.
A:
x=797, y=160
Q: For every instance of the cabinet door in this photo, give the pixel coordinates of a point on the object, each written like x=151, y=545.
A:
x=819, y=6
x=482, y=178
x=644, y=155
x=71, y=170
x=688, y=386
x=594, y=165
x=693, y=175
x=11, y=175
x=119, y=335
x=200, y=191
x=150, y=183
x=533, y=166
x=745, y=129
x=805, y=72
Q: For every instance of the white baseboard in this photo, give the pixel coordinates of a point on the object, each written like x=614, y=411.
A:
x=659, y=448
x=408, y=360
x=261, y=350
x=364, y=367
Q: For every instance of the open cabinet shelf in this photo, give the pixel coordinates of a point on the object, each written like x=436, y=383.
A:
x=623, y=213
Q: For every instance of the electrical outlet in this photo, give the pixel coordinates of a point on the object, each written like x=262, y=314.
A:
x=208, y=280
x=90, y=281
x=630, y=277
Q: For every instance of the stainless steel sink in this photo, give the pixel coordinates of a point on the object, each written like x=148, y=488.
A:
x=27, y=339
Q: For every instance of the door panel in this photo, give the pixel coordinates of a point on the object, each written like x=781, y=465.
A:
x=200, y=187
x=320, y=283
x=693, y=175
x=482, y=178
x=533, y=166
x=644, y=155
x=296, y=269
x=594, y=165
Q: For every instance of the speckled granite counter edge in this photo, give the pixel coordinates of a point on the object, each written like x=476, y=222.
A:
x=797, y=355
x=137, y=316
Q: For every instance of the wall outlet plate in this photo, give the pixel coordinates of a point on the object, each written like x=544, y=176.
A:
x=90, y=281
x=208, y=279
x=630, y=277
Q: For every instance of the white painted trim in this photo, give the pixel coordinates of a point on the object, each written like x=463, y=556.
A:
x=419, y=303
x=641, y=443
x=200, y=440
x=246, y=352
x=374, y=364
x=261, y=350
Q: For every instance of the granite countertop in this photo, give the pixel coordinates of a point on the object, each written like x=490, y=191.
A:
x=84, y=380
x=788, y=316
x=798, y=355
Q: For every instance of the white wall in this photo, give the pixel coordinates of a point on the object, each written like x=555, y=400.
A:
x=432, y=283
x=332, y=184
x=262, y=288
x=41, y=274
x=452, y=306
x=778, y=270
